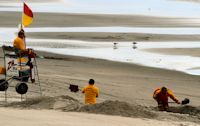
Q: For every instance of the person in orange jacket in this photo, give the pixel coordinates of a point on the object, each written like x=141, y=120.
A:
x=91, y=92
x=161, y=96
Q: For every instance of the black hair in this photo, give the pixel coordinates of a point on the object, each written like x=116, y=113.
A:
x=163, y=89
x=20, y=33
x=91, y=81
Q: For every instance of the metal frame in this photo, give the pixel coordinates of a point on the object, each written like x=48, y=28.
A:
x=10, y=52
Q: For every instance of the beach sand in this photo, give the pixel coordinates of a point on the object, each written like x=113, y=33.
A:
x=129, y=84
x=54, y=118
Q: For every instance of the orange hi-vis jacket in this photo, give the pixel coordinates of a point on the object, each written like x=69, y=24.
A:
x=91, y=93
x=19, y=43
x=160, y=97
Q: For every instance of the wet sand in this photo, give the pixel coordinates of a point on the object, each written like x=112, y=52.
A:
x=177, y=51
x=112, y=37
x=101, y=20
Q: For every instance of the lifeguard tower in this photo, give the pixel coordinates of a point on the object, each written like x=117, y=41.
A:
x=20, y=74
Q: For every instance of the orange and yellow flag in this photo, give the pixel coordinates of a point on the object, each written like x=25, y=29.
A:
x=27, y=17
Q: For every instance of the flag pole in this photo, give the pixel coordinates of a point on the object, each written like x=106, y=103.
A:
x=22, y=14
x=23, y=1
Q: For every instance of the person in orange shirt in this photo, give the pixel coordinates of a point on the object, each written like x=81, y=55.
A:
x=19, y=41
x=91, y=92
x=161, y=96
x=24, y=54
x=20, y=46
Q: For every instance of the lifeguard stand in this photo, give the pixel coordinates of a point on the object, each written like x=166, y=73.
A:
x=21, y=72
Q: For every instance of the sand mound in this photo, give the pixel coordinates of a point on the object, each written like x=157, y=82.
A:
x=186, y=113
x=190, y=110
x=69, y=104
x=64, y=103
x=119, y=108
x=179, y=113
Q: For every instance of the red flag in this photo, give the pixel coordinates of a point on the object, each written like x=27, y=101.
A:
x=27, y=16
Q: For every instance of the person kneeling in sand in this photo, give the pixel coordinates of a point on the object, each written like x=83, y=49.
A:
x=161, y=96
x=91, y=92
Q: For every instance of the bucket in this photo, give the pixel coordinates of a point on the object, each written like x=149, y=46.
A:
x=73, y=88
x=2, y=70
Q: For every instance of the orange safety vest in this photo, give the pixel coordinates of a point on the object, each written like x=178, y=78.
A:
x=159, y=96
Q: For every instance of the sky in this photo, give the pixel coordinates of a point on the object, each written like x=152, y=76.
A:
x=145, y=7
x=165, y=8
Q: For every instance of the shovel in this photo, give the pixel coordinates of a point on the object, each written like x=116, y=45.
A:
x=183, y=102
